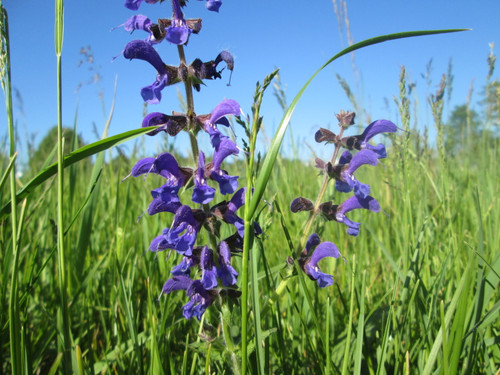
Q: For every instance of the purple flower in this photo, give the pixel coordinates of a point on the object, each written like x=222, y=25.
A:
x=309, y=262
x=199, y=70
x=167, y=75
x=218, y=117
x=134, y=4
x=226, y=272
x=227, y=184
x=181, y=236
x=226, y=211
x=347, y=182
x=200, y=298
x=360, y=142
x=165, y=198
x=202, y=193
x=184, y=267
x=178, y=32
x=171, y=125
x=213, y=5
x=209, y=271
x=353, y=203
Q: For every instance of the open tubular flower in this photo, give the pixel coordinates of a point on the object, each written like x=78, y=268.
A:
x=312, y=254
x=360, y=142
x=346, y=181
x=167, y=75
x=353, y=203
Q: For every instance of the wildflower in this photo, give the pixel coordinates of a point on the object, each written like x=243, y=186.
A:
x=171, y=125
x=360, y=142
x=202, y=193
x=178, y=32
x=209, y=271
x=352, y=203
x=225, y=271
x=346, y=181
x=198, y=70
x=213, y=5
x=227, y=184
x=309, y=262
x=218, y=117
x=134, y=4
x=200, y=298
x=184, y=267
x=182, y=234
x=165, y=198
x=167, y=75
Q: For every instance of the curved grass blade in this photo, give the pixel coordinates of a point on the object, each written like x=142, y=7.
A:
x=280, y=133
x=74, y=157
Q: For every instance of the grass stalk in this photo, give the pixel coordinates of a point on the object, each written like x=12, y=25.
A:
x=63, y=270
x=14, y=312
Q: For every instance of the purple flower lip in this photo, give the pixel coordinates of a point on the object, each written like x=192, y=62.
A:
x=315, y=251
x=360, y=142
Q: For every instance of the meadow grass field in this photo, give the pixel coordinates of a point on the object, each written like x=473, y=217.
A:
x=418, y=292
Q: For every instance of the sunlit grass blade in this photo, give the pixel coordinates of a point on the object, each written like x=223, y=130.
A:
x=6, y=173
x=272, y=153
x=76, y=156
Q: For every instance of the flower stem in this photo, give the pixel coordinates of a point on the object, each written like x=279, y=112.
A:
x=319, y=198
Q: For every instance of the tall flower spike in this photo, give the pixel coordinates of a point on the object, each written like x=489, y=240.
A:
x=167, y=75
x=309, y=262
x=360, y=142
x=353, y=203
x=347, y=181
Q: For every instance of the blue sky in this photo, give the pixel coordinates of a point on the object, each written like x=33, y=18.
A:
x=296, y=36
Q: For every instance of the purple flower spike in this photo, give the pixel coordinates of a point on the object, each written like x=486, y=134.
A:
x=202, y=193
x=353, y=203
x=213, y=5
x=348, y=182
x=209, y=271
x=226, y=272
x=134, y=4
x=309, y=263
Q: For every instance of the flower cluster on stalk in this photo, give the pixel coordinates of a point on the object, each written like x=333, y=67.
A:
x=205, y=271
x=342, y=171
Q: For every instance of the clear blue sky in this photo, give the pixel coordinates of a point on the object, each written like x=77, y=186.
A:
x=296, y=36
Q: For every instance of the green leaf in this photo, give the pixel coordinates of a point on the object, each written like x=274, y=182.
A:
x=73, y=157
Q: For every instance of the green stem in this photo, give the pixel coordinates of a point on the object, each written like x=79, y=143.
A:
x=319, y=198
x=63, y=266
x=14, y=320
